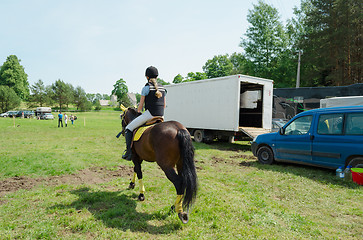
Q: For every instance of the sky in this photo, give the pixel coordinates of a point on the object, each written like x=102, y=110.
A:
x=94, y=43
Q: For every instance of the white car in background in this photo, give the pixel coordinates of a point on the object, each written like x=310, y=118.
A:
x=5, y=114
x=47, y=116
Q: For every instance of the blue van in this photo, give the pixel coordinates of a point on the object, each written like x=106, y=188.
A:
x=325, y=137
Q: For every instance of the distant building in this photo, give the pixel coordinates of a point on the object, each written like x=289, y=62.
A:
x=113, y=98
x=132, y=97
x=105, y=103
x=113, y=101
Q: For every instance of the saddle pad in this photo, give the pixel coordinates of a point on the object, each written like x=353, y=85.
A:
x=139, y=132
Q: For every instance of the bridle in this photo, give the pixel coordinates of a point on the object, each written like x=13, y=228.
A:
x=123, y=122
x=123, y=116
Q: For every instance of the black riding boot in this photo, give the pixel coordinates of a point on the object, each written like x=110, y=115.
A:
x=128, y=152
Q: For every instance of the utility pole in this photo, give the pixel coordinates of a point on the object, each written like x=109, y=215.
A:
x=298, y=70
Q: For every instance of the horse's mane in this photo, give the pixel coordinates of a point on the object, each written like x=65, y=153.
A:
x=134, y=112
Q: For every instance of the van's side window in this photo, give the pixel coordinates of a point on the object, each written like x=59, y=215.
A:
x=299, y=126
x=330, y=124
x=354, y=124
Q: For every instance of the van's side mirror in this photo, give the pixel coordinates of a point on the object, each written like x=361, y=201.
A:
x=282, y=131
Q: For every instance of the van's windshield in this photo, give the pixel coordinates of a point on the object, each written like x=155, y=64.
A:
x=299, y=126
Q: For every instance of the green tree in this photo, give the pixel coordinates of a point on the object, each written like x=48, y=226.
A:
x=125, y=100
x=162, y=82
x=62, y=93
x=219, y=66
x=12, y=74
x=178, y=79
x=8, y=99
x=195, y=76
x=91, y=97
x=240, y=64
x=85, y=104
x=297, y=28
x=333, y=44
x=80, y=98
x=120, y=89
x=265, y=39
x=138, y=97
x=98, y=97
x=50, y=96
x=70, y=94
x=38, y=95
x=284, y=72
x=106, y=97
x=98, y=106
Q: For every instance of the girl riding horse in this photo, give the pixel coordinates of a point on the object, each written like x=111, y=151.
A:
x=168, y=144
x=154, y=98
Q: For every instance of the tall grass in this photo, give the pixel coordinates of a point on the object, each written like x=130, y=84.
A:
x=238, y=198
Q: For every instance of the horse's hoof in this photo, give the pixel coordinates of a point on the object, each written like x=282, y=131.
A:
x=131, y=186
x=183, y=217
x=141, y=197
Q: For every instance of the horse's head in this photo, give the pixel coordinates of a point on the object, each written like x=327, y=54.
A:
x=128, y=115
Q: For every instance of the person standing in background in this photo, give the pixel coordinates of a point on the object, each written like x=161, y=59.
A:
x=60, y=117
x=65, y=119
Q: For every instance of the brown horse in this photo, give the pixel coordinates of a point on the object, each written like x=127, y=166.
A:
x=169, y=145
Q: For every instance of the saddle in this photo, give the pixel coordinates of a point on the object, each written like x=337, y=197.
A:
x=138, y=132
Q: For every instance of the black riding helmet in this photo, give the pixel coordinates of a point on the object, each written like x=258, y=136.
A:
x=152, y=72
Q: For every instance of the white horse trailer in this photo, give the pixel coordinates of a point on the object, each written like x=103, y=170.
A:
x=341, y=101
x=222, y=107
x=41, y=110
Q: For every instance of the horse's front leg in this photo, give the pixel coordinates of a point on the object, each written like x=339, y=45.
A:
x=138, y=172
x=133, y=180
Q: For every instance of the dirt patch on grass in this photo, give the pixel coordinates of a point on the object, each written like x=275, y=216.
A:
x=243, y=156
x=245, y=164
x=217, y=160
x=93, y=175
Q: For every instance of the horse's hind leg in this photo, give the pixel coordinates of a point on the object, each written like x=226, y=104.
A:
x=175, y=179
x=178, y=183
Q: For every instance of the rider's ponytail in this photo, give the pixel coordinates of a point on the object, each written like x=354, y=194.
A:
x=158, y=94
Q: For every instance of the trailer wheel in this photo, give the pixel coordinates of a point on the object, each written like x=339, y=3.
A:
x=265, y=155
x=198, y=136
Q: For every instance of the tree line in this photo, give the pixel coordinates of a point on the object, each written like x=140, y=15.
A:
x=14, y=88
x=328, y=33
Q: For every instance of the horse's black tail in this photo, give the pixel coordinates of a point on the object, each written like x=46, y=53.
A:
x=188, y=173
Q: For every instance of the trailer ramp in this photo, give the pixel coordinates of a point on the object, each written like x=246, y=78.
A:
x=253, y=132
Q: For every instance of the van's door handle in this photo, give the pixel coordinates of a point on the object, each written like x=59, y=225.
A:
x=311, y=137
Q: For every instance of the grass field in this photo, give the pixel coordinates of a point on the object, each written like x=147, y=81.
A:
x=70, y=183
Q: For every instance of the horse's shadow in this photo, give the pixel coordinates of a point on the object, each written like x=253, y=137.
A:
x=117, y=210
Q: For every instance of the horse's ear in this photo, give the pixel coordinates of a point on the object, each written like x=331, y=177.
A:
x=123, y=108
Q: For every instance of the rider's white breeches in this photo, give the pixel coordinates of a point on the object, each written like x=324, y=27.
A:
x=140, y=120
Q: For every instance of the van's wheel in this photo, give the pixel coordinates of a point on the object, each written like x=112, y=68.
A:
x=356, y=162
x=265, y=155
x=198, y=136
